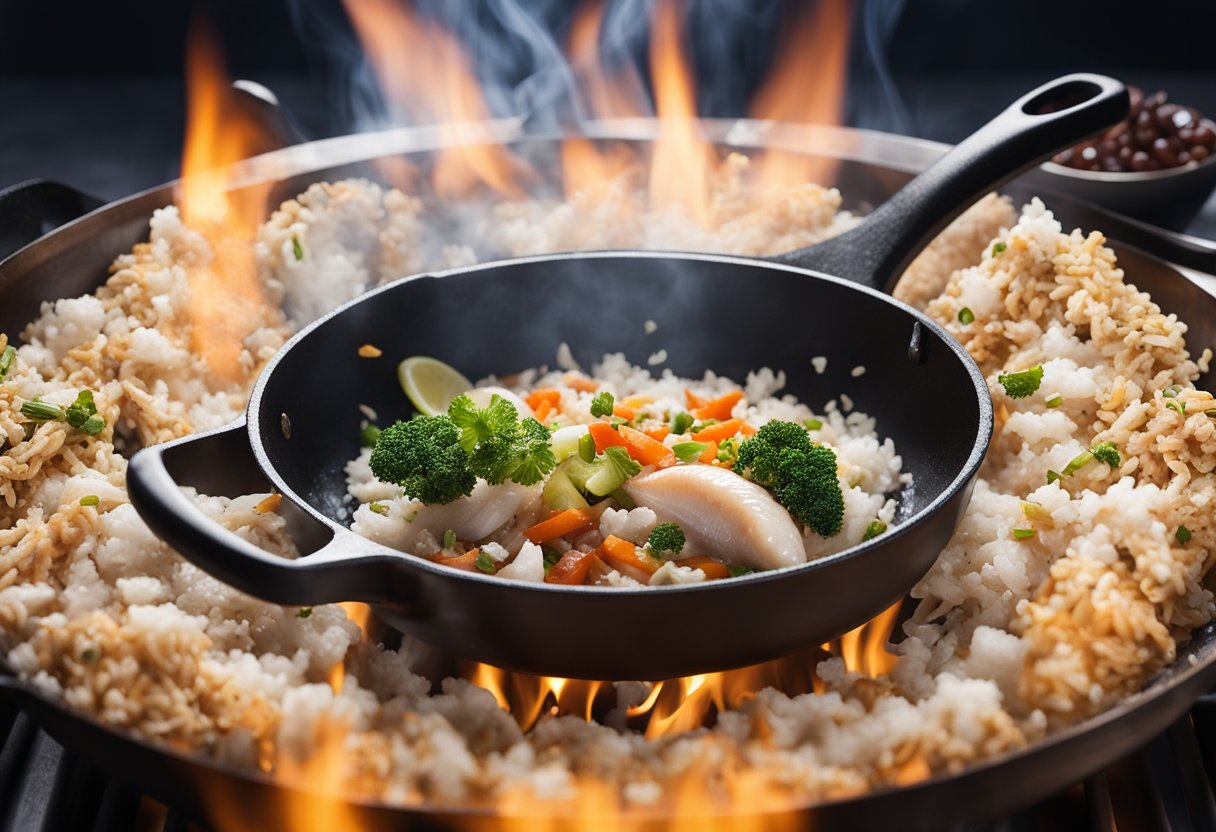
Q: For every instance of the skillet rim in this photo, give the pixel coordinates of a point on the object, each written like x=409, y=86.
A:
x=962, y=479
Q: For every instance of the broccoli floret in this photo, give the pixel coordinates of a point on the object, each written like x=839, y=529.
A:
x=499, y=445
x=602, y=404
x=1020, y=385
x=666, y=541
x=801, y=474
x=425, y=458
x=1106, y=452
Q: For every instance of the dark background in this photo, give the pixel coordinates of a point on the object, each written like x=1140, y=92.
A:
x=91, y=93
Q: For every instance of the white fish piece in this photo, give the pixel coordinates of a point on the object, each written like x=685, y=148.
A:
x=722, y=515
x=487, y=508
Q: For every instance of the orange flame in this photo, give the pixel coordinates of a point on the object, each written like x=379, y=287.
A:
x=226, y=300
x=423, y=71
x=806, y=85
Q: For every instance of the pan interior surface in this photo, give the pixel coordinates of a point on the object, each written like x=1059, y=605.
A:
x=727, y=316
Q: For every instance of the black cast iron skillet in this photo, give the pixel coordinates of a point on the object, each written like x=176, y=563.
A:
x=74, y=258
x=727, y=314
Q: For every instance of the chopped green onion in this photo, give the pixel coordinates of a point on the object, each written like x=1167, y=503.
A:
x=550, y=557
x=449, y=539
x=586, y=448
x=689, y=451
x=40, y=411
x=296, y=248
x=736, y=571
x=1022, y=384
x=90, y=500
x=1106, y=452
x=378, y=508
x=89, y=655
x=728, y=450
x=966, y=316
x=813, y=424
x=1077, y=463
x=1182, y=535
x=1054, y=401
x=79, y=412
x=304, y=612
x=368, y=436
x=1174, y=404
x=485, y=563
x=874, y=530
x=1172, y=391
x=700, y=426
x=6, y=360
x=93, y=425
x=602, y=404
x=681, y=422
x=1052, y=476
x=1035, y=513
x=997, y=248
x=1022, y=534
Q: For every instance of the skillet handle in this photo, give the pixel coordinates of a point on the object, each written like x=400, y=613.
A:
x=1040, y=123
x=347, y=568
x=31, y=209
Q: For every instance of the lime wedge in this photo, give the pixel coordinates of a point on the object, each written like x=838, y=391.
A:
x=430, y=384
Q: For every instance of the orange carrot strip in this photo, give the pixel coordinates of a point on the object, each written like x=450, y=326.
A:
x=693, y=400
x=466, y=562
x=720, y=431
x=714, y=570
x=710, y=454
x=580, y=383
x=623, y=554
x=646, y=450
x=543, y=394
x=543, y=408
x=572, y=569
x=747, y=429
x=658, y=434
x=559, y=525
x=605, y=436
x=720, y=407
x=624, y=412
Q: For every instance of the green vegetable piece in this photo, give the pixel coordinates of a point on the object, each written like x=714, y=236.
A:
x=6, y=360
x=1182, y=535
x=1077, y=463
x=304, y=612
x=482, y=424
x=368, y=436
x=559, y=493
x=602, y=404
x=1171, y=392
x=1106, y=452
x=1022, y=384
x=586, y=448
x=689, y=451
x=700, y=426
x=498, y=445
x=89, y=655
x=378, y=508
x=93, y=425
x=966, y=316
x=736, y=571
x=612, y=470
x=425, y=458
x=1054, y=401
x=622, y=499
x=666, y=541
x=1174, y=404
x=813, y=424
x=90, y=500
x=997, y=248
x=296, y=248
x=1022, y=534
x=485, y=563
x=550, y=557
x=800, y=474
x=79, y=411
x=1052, y=476
x=728, y=450
x=874, y=530
x=449, y=539
x=40, y=411
x=681, y=422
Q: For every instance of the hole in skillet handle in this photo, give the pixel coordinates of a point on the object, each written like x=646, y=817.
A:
x=1044, y=121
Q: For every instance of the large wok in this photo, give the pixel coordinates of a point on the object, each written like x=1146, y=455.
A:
x=73, y=258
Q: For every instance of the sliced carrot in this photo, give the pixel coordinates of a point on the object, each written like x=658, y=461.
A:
x=580, y=383
x=542, y=410
x=720, y=431
x=624, y=412
x=693, y=400
x=466, y=562
x=646, y=450
x=658, y=434
x=543, y=394
x=559, y=525
x=572, y=569
x=605, y=436
x=747, y=429
x=713, y=569
x=622, y=554
x=710, y=454
x=637, y=401
x=720, y=407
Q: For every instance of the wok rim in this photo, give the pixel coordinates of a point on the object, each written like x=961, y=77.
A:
x=962, y=479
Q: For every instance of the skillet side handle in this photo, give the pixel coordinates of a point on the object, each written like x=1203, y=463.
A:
x=31, y=209
x=348, y=568
x=1044, y=121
